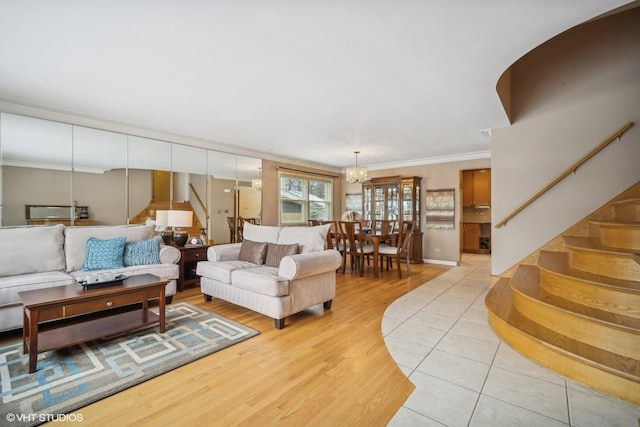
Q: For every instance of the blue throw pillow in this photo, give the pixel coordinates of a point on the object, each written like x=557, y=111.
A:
x=144, y=252
x=104, y=254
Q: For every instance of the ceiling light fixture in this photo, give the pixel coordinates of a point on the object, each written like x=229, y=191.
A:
x=355, y=174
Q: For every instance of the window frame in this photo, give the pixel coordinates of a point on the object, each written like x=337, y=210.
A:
x=305, y=199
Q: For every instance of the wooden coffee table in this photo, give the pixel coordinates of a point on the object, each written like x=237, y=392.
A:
x=63, y=302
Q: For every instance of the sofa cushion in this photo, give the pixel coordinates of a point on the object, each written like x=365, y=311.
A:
x=221, y=270
x=10, y=286
x=104, y=254
x=142, y=252
x=310, y=239
x=75, y=242
x=253, y=252
x=261, y=233
x=263, y=280
x=31, y=249
x=276, y=252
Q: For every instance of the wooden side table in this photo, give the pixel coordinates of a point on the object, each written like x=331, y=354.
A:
x=189, y=257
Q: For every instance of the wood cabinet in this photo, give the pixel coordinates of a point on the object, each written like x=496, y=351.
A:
x=476, y=187
x=395, y=198
x=476, y=237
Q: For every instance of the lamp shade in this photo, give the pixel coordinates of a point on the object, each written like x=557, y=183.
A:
x=162, y=217
x=180, y=218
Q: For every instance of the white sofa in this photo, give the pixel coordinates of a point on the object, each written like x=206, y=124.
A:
x=36, y=257
x=290, y=284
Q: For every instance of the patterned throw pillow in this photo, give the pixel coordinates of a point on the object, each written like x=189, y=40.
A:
x=276, y=252
x=143, y=252
x=253, y=251
x=104, y=254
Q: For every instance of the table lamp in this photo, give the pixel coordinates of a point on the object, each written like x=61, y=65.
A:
x=178, y=219
x=162, y=220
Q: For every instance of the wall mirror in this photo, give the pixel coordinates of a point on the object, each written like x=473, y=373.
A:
x=120, y=178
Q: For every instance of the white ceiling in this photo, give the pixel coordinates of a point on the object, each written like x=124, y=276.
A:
x=310, y=81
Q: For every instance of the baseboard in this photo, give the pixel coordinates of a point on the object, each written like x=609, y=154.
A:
x=441, y=262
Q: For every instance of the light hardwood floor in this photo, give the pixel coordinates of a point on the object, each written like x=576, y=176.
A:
x=322, y=369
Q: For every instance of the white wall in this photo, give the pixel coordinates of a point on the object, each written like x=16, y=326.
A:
x=567, y=96
x=437, y=245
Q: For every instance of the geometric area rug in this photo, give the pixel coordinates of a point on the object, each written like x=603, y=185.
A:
x=73, y=377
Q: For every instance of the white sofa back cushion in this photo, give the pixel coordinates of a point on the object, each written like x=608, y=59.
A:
x=75, y=243
x=261, y=233
x=310, y=239
x=31, y=249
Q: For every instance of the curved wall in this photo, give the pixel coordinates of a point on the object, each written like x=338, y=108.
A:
x=567, y=96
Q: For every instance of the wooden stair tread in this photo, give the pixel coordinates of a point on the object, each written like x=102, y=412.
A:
x=526, y=280
x=627, y=211
x=607, y=223
x=558, y=263
x=625, y=201
x=499, y=301
x=583, y=242
x=577, y=311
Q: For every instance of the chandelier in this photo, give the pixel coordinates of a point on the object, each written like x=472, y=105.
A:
x=355, y=174
x=256, y=183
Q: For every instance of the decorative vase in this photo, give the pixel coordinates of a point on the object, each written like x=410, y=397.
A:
x=167, y=236
x=180, y=237
x=84, y=212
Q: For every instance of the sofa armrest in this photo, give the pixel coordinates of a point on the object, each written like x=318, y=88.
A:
x=227, y=252
x=169, y=254
x=309, y=264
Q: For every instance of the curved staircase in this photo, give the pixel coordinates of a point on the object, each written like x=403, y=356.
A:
x=577, y=311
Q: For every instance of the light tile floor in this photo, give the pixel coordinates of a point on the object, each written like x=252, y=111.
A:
x=466, y=376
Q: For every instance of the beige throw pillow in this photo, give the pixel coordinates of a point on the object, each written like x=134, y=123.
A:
x=253, y=251
x=276, y=252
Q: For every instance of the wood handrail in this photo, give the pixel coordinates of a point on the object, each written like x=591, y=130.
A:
x=195, y=193
x=569, y=170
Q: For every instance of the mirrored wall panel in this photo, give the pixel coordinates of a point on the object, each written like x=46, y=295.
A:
x=102, y=177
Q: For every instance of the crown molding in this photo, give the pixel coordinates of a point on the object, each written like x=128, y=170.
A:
x=432, y=160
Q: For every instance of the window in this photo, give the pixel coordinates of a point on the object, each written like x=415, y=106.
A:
x=303, y=198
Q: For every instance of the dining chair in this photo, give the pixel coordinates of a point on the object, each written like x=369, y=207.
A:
x=354, y=246
x=235, y=229
x=333, y=236
x=384, y=226
x=400, y=251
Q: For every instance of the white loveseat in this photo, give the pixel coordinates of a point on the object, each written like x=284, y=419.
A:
x=274, y=283
x=36, y=257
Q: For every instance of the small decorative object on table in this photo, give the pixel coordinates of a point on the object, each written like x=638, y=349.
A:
x=84, y=212
x=101, y=279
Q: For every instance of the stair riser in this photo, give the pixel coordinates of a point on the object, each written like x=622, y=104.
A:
x=628, y=211
x=618, y=266
x=544, y=354
x=588, y=294
x=610, y=338
x=616, y=237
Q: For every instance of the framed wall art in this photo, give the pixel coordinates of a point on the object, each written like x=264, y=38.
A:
x=441, y=209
